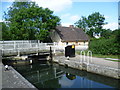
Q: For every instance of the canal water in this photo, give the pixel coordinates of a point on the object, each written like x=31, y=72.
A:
x=47, y=75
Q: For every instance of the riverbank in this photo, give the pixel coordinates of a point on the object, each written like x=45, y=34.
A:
x=12, y=79
x=101, y=56
x=94, y=65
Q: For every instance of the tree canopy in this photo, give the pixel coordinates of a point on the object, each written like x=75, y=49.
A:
x=91, y=24
x=28, y=21
x=5, y=31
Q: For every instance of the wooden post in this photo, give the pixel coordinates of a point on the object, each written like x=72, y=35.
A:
x=50, y=53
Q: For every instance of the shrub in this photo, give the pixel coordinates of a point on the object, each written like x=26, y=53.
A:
x=104, y=46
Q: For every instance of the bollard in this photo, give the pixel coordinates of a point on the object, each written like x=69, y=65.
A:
x=67, y=57
x=6, y=67
x=30, y=61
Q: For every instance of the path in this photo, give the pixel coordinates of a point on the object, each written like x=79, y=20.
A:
x=12, y=79
x=97, y=61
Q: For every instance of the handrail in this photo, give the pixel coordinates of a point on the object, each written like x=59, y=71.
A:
x=83, y=59
x=89, y=57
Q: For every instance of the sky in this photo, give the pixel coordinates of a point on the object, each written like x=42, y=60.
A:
x=70, y=11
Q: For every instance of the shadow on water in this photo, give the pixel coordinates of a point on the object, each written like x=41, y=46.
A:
x=46, y=75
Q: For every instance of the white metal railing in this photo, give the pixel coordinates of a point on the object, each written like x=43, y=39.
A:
x=82, y=56
x=86, y=59
x=19, y=45
x=89, y=57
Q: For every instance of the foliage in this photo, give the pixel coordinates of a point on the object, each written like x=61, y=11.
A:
x=92, y=24
x=82, y=23
x=104, y=46
x=28, y=21
x=106, y=33
x=5, y=31
x=0, y=31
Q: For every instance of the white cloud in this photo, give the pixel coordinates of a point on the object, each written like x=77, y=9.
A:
x=96, y=0
x=65, y=15
x=111, y=26
x=66, y=0
x=7, y=0
x=66, y=24
x=8, y=6
x=107, y=17
x=70, y=18
x=75, y=17
x=54, y=5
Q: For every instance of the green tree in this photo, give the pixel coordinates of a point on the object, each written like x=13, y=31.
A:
x=5, y=31
x=92, y=24
x=109, y=45
x=0, y=30
x=82, y=23
x=106, y=33
x=28, y=21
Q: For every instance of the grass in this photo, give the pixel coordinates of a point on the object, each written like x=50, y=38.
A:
x=105, y=56
x=102, y=56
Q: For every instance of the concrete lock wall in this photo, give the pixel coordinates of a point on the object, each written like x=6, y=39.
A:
x=97, y=69
x=103, y=70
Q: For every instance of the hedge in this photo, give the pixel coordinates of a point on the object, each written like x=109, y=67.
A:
x=104, y=46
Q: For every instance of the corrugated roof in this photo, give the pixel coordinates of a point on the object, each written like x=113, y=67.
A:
x=71, y=34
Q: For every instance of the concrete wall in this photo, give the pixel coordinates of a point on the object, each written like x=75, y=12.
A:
x=97, y=69
x=90, y=76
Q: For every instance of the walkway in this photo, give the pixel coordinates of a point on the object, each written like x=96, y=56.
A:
x=12, y=79
x=96, y=61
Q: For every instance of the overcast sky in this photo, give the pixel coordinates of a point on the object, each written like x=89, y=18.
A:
x=71, y=11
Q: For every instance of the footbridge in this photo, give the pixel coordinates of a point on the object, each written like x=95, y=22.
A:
x=22, y=47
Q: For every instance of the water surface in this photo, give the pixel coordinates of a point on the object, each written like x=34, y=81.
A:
x=45, y=75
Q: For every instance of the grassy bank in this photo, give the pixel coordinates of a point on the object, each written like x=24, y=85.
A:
x=105, y=56
x=102, y=56
x=99, y=55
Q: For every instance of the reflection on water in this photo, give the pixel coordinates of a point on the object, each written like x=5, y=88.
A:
x=43, y=75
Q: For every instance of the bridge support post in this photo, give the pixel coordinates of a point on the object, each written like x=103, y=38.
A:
x=18, y=53
x=50, y=54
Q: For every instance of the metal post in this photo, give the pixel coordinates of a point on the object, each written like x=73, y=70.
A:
x=81, y=56
x=55, y=72
x=14, y=45
x=83, y=59
x=54, y=48
x=18, y=53
x=38, y=45
x=84, y=56
x=88, y=60
x=89, y=55
x=18, y=50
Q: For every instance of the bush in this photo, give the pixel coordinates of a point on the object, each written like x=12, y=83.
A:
x=104, y=46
